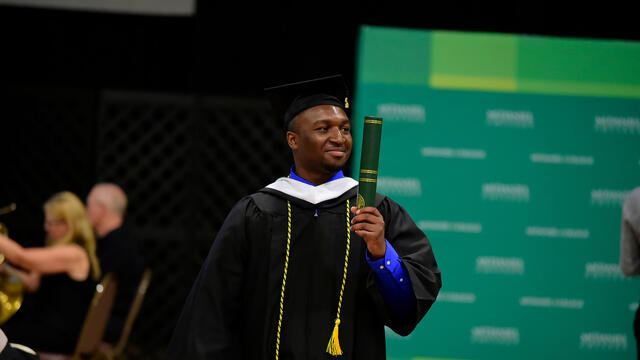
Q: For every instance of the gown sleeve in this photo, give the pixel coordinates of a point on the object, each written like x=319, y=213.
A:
x=414, y=249
x=208, y=327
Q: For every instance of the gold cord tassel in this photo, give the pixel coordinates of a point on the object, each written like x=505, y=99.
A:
x=333, y=347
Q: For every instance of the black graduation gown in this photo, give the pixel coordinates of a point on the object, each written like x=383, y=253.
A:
x=232, y=310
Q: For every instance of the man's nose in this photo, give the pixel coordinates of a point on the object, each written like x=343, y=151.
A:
x=336, y=135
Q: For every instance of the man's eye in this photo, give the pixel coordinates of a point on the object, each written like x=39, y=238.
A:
x=346, y=129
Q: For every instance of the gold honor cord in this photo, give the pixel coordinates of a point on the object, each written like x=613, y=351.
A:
x=284, y=279
x=333, y=347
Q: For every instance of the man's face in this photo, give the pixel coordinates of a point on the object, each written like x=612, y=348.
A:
x=320, y=138
x=95, y=209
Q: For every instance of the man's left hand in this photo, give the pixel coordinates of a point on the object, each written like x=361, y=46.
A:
x=369, y=225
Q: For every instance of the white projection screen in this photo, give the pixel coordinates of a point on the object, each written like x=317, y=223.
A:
x=140, y=7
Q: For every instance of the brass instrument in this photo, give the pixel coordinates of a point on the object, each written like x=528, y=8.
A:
x=11, y=288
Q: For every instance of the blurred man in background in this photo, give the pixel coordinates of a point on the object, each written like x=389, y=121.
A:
x=118, y=253
x=630, y=248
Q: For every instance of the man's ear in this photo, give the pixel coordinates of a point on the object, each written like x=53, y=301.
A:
x=103, y=208
x=292, y=140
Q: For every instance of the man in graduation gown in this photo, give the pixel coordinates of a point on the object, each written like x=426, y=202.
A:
x=296, y=271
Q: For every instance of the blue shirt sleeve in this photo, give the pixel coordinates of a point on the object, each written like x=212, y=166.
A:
x=393, y=281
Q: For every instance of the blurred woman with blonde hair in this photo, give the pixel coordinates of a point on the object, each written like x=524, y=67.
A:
x=62, y=277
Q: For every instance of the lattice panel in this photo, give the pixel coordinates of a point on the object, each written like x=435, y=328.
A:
x=184, y=161
x=240, y=150
x=144, y=143
x=48, y=140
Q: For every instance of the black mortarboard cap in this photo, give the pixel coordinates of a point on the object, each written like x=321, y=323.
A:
x=290, y=100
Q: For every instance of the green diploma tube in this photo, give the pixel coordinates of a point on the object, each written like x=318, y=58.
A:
x=371, y=134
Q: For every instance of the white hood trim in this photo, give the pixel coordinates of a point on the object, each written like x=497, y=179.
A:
x=313, y=194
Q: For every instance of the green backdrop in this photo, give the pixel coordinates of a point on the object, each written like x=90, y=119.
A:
x=514, y=155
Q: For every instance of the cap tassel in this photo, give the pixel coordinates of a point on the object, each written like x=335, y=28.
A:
x=333, y=347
